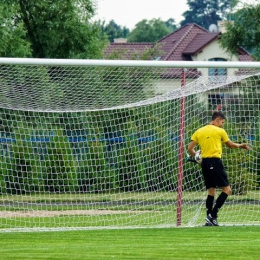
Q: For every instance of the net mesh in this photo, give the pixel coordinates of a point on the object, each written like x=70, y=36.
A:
x=99, y=147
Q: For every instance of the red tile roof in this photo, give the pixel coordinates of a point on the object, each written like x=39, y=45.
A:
x=199, y=42
x=127, y=51
x=245, y=57
x=179, y=40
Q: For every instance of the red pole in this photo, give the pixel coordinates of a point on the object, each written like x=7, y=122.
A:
x=181, y=151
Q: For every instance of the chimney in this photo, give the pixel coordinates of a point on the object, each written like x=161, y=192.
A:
x=221, y=26
x=120, y=40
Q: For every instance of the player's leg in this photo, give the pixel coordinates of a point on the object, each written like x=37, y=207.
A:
x=226, y=191
x=220, y=180
x=209, y=204
x=210, y=200
x=210, y=186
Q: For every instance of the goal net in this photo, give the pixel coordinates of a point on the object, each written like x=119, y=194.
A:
x=103, y=144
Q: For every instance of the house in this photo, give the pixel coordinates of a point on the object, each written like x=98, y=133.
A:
x=189, y=43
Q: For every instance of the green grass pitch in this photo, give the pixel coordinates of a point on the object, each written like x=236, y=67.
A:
x=198, y=243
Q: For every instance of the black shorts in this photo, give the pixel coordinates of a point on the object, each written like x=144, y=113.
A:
x=214, y=173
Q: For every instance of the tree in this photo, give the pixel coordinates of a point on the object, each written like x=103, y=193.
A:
x=54, y=29
x=148, y=31
x=206, y=12
x=113, y=30
x=13, y=35
x=171, y=24
x=63, y=30
x=244, y=31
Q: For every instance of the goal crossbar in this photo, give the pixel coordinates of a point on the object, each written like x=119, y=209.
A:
x=129, y=63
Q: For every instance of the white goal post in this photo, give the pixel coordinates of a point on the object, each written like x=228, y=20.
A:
x=90, y=144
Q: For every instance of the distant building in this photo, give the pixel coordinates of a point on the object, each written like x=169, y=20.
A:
x=189, y=43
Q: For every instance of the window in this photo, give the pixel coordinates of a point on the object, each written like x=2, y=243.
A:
x=221, y=101
x=217, y=75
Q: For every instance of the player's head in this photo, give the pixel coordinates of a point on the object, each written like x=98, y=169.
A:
x=218, y=118
x=218, y=114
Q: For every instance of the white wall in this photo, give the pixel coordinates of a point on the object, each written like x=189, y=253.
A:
x=211, y=51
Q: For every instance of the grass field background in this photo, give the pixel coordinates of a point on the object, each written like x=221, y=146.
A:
x=199, y=243
x=114, y=235
x=234, y=214
x=150, y=210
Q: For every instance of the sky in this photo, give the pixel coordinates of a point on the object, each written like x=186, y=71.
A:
x=129, y=12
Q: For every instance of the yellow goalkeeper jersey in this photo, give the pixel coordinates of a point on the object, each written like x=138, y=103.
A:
x=210, y=140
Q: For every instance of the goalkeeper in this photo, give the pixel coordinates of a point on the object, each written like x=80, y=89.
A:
x=210, y=138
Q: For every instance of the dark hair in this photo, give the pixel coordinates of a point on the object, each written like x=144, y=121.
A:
x=218, y=114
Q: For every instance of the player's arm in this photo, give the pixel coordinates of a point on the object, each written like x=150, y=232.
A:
x=191, y=147
x=233, y=145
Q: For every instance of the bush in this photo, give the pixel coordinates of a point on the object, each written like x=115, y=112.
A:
x=59, y=166
x=240, y=177
x=22, y=170
x=94, y=172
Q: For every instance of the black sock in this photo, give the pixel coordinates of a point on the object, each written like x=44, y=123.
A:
x=209, y=204
x=219, y=203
